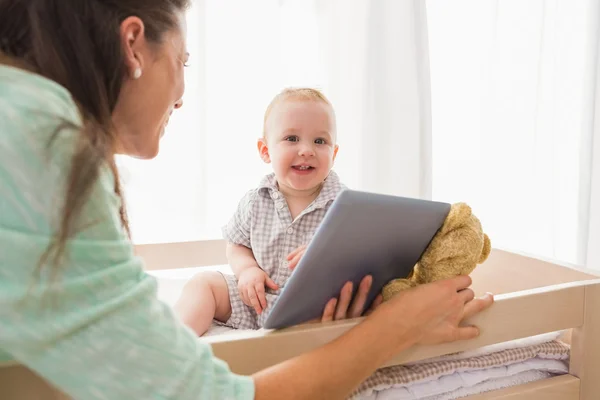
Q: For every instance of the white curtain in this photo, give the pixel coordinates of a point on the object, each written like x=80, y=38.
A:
x=593, y=205
x=506, y=125
x=513, y=89
x=376, y=57
x=369, y=57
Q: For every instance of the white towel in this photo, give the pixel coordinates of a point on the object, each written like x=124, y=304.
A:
x=492, y=384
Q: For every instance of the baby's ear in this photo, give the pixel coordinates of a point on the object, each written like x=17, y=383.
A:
x=263, y=150
x=335, y=151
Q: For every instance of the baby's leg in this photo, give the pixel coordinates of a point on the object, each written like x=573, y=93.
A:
x=205, y=297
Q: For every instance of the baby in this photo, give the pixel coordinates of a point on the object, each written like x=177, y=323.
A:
x=274, y=222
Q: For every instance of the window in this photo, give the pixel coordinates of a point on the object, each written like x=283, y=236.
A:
x=512, y=83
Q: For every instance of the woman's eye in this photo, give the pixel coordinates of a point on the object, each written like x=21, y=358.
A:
x=320, y=141
x=292, y=138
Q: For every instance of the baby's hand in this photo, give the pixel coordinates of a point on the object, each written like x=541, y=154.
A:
x=295, y=256
x=251, y=285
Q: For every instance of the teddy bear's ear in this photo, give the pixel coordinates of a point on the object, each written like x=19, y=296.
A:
x=487, y=248
x=457, y=217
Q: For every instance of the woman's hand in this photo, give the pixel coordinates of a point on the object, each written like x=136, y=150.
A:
x=347, y=307
x=451, y=328
x=432, y=313
x=344, y=306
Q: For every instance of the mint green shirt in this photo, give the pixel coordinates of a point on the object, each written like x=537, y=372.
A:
x=99, y=331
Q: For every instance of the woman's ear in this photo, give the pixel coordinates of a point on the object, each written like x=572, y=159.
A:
x=133, y=44
x=263, y=150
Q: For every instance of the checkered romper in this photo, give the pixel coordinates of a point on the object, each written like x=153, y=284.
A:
x=263, y=223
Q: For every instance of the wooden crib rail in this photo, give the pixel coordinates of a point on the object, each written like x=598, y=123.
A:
x=513, y=316
x=182, y=254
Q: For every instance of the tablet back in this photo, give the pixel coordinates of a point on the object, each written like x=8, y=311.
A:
x=362, y=233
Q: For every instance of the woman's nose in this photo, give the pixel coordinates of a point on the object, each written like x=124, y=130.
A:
x=179, y=104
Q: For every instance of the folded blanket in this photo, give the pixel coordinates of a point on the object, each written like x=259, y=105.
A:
x=485, y=386
x=553, y=355
x=497, y=347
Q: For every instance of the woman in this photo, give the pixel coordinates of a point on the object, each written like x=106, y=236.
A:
x=81, y=81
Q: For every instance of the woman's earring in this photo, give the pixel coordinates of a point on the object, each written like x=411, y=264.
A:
x=137, y=73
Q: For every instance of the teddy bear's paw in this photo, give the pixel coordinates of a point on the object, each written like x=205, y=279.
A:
x=395, y=287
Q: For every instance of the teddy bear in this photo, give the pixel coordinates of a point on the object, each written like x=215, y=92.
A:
x=456, y=249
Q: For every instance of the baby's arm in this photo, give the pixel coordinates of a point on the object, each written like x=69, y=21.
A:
x=237, y=235
x=240, y=258
x=251, y=278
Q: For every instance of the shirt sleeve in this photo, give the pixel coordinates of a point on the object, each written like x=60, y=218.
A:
x=95, y=329
x=237, y=230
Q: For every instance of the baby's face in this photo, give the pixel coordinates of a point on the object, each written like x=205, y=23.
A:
x=300, y=143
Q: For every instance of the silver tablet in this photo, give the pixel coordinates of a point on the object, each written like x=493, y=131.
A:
x=362, y=234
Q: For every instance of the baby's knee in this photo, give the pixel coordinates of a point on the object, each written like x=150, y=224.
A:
x=213, y=287
x=207, y=280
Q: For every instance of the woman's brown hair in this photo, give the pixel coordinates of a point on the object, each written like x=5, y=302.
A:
x=77, y=44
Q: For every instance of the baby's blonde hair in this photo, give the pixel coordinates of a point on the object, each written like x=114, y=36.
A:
x=300, y=93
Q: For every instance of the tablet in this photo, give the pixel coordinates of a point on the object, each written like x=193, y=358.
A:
x=362, y=234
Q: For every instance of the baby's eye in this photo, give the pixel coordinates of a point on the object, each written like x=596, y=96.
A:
x=320, y=141
x=292, y=138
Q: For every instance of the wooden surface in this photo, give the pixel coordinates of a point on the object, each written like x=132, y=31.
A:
x=182, y=254
x=585, y=347
x=505, y=272
x=513, y=316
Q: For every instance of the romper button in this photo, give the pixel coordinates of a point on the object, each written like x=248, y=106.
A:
x=290, y=231
x=275, y=195
x=280, y=205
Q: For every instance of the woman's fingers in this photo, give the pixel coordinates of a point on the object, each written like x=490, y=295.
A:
x=360, y=298
x=477, y=305
x=378, y=300
x=472, y=307
x=341, y=308
x=466, y=295
x=344, y=301
x=460, y=282
x=466, y=333
x=329, y=310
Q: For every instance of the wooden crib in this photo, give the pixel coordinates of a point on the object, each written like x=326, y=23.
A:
x=532, y=297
